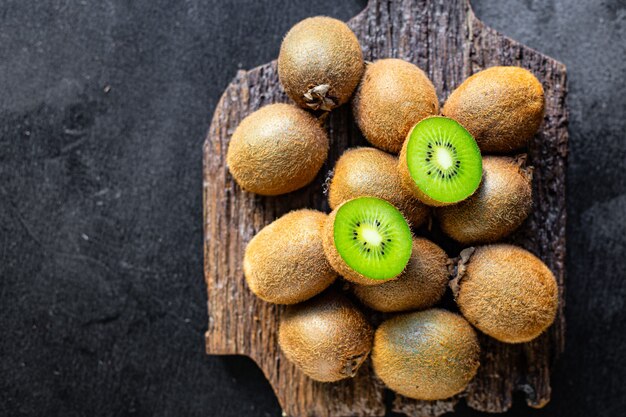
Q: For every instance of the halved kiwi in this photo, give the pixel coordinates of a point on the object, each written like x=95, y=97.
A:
x=427, y=355
x=506, y=292
x=501, y=204
x=440, y=162
x=421, y=285
x=326, y=337
x=369, y=172
x=367, y=240
x=320, y=63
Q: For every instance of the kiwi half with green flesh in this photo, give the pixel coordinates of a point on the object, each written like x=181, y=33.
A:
x=440, y=162
x=285, y=262
x=277, y=149
x=320, y=63
x=392, y=97
x=326, y=337
x=361, y=172
x=506, y=292
x=502, y=107
x=501, y=204
x=421, y=285
x=426, y=355
x=367, y=240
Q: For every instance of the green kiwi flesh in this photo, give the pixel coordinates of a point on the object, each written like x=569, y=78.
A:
x=421, y=285
x=426, y=355
x=440, y=162
x=501, y=204
x=371, y=172
x=285, y=262
x=506, y=292
x=367, y=240
x=277, y=149
x=326, y=337
x=320, y=63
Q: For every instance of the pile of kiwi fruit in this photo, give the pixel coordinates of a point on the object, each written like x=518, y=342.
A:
x=458, y=168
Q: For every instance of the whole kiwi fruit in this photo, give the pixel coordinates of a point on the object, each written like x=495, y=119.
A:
x=327, y=337
x=371, y=172
x=320, y=63
x=421, y=285
x=392, y=97
x=285, y=262
x=497, y=208
x=277, y=149
x=506, y=292
x=502, y=107
x=426, y=355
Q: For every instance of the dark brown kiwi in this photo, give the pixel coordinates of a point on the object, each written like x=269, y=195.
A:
x=285, y=262
x=421, y=285
x=392, y=97
x=506, y=292
x=499, y=206
x=327, y=337
x=371, y=172
x=426, y=355
x=277, y=149
x=320, y=63
x=502, y=107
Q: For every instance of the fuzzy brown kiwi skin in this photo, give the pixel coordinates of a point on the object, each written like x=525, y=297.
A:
x=392, y=97
x=502, y=107
x=506, y=292
x=320, y=63
x=335, y=259
x=501, y=204
x=426, y=355
x=409, y=184
x=285, y=262
x=421, y=285
x=277, y=149
x=361, y=172
x=327, y=337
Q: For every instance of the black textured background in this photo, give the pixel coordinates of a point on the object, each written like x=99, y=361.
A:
x=104, y=106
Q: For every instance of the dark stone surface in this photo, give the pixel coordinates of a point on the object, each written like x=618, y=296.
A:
x=103, y=110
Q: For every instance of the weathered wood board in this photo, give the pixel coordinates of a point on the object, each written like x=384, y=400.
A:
x=446, y=40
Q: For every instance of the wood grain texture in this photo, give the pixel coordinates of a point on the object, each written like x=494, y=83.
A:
x=446, y=40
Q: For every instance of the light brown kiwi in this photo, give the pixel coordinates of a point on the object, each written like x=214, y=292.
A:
x=371, y=172
x=320, y=63
x=426, y=355
x=277, y=149
x=285, y=262
x=421, y=285
x=327, y=337
x=502, y=107
x=506, y=292
x=500, y=205
x=392, y=97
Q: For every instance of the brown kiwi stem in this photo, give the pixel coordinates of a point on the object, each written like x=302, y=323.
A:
x=527, y=170
x=353, y=364
x=457, y=267
x=317, y=98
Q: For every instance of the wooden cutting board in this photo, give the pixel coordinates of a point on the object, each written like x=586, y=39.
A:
x=444, y=38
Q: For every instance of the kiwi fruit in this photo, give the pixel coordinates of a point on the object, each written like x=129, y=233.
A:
x=421, y=285
x=320, y=63
x=367, y=240
x=506, y=292
x=502, y=107
x=363, y=172
x=440, y=162
x=426, y=355
x=277, y=149
x=285, y=262
x=501, y=204
x=327, y=337
x=392, y=97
